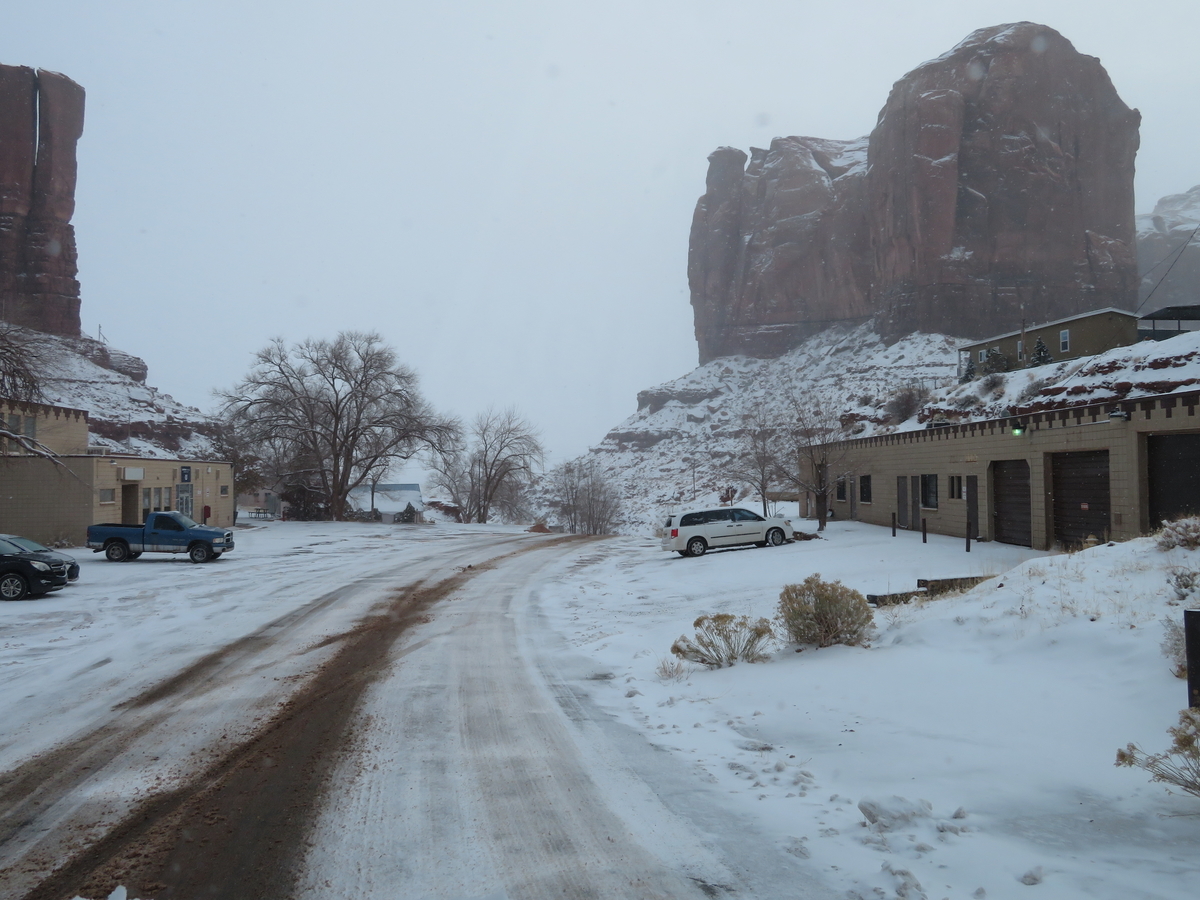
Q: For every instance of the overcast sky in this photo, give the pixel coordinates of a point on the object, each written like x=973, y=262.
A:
x=502, y=190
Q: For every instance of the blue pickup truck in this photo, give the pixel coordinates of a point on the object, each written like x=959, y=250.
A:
x=169, y=532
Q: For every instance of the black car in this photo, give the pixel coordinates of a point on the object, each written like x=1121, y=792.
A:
x=34, y=547
x=24, y=572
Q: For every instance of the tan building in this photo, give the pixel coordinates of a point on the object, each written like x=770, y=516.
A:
x=1082, y=335
x=54, y=500
x=1042, y=480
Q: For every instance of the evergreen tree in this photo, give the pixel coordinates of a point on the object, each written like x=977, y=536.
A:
x=1040, y=356
x=995, y=361
x=968, y=372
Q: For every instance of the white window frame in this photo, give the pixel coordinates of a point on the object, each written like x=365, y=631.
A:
x=1064, y=341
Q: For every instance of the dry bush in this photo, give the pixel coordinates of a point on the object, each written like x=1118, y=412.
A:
x=1174, y=647
x=1184, y=583
x=1180, y=533
x=824, y=613
x=671, y=670
x=723, y=639
x=1180, y=765
x=904, y=404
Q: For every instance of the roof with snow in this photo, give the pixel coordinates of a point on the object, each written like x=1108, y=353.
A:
x=389, y=498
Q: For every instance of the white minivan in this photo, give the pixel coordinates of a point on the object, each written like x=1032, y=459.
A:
x=695, y=533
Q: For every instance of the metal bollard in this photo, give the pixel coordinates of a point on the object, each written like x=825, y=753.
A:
x=924, y=532
x=1191, y=640
x=968, y=536
x=893, y=524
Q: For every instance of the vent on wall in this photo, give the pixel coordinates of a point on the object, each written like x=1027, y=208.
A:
x=133, y=473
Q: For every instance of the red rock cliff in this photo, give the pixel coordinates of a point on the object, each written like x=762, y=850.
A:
x=998, y=183
x=41, y=119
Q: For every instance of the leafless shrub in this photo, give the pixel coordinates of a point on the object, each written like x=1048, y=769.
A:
x=671, y=670
x=824, y=613
x=20, y=364
x=992, y=382
x=1174, y=647
x=904, y=404
x=1184, y=583
x=1183, y=532
x=723, y=639
x=1179, y=765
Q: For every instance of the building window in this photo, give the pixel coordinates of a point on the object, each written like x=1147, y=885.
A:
x=929, y=492
x=224, y=490
x=982, y=355
x=1064, y=340
x=956, y=488
x=864, y=488
x=1020, y=349
x=108, y=495
x=166, y=499
x=841, y=488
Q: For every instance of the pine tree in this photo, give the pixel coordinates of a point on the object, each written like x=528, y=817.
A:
x=968, y=373
x=1040, y=356
x=995, y=361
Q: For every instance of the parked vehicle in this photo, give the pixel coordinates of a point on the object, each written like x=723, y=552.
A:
x=24, y=572
x=695, y=533
x=35, y=547
x=169, y=532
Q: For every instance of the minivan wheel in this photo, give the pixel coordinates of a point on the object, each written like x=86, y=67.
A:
x=13, y=587
x=696, y=547
x=775, y=537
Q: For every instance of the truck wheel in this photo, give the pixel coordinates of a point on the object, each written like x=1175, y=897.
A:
x=117, y=551
x=199, y=553
x=13, y=587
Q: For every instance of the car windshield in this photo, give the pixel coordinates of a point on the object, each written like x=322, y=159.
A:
x=28, y=545
x=187, y=523
x=7, y=546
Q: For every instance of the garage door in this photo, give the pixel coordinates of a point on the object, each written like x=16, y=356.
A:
x=1011, y=505
x=1081, y=503
x=1173, y=461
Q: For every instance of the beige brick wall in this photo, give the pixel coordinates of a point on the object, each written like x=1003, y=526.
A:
x=61, y=430
x=45, y=501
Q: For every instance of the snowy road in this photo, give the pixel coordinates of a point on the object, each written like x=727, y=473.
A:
x=267, y=726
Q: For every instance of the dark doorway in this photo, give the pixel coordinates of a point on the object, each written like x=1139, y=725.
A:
x=130, y=508
x=902, y=501
x=914, y=497
x=1081, y=501
x=1173, y=461
x=1012, y=509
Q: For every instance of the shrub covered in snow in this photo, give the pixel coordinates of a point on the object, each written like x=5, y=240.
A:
x=723, y=639
x=824, y=613
x=1180, y=765
x=1174, y=647
x=1180, y=533
x=904, y=404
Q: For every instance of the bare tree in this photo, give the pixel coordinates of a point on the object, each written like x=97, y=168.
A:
x=583, y=498
x=333, y=411
x=756, y=459
x=499, y=461
x=815, y=452
x=20, y=364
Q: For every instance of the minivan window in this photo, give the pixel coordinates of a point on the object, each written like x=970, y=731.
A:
x=744, y=515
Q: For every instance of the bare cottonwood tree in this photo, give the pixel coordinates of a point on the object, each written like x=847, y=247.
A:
x=756, y=458
x=585, y=501
x=814, y=450
x=20, y=364
x=334, y=410
x=496, y=464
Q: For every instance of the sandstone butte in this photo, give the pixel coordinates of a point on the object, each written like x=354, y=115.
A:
x=996, y=186
x=41, y=120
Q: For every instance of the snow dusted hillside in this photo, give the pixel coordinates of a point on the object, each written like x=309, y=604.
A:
x=673, y=449
x=124, y=414
x=1168, y=251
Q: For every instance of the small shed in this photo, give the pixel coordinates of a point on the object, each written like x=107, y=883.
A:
x=391, y=500
x=1184, y=318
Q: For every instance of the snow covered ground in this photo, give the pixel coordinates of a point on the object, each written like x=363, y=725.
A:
x=995, y=715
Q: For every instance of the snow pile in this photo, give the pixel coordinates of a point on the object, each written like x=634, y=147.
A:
x=672, y=450
x=969, y=752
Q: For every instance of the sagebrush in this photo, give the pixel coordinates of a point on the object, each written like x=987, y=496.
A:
x=824, y=613
x=1180, y=765
x=1174, y=647
x=1180, y=533
x=723, y=639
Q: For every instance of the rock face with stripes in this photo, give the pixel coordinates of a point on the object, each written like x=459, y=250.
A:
x=996, y=185
x=41, y=119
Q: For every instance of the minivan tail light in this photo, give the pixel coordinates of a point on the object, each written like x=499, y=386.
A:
x=674, y=532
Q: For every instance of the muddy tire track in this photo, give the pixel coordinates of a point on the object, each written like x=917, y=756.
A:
x=237, y=829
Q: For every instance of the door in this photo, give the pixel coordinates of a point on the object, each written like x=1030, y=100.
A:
x=183, y=499
x=1081, y=498
x=1173, y=464
x=719, y=528
x=1012, y=506
x=973, y=506
x=748, y=527
x=852, y=487
x=914, y=498
x=129, y=505
x=902, y=501
x=165, y=534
